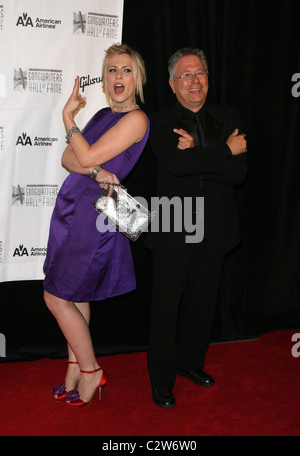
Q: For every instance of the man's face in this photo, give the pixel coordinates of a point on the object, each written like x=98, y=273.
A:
x=191, y=93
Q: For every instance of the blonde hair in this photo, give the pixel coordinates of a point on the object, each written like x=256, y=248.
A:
x=139, y=71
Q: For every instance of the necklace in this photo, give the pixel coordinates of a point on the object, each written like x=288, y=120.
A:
x=126, y=107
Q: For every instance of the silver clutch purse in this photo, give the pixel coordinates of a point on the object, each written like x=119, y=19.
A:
x=124, y=212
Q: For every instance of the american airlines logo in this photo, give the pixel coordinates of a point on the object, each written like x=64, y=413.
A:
x=26, y=21
x=20, y=251
x=25, y=140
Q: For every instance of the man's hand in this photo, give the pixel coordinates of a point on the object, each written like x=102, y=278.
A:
x=185, y=141
x=237, y=143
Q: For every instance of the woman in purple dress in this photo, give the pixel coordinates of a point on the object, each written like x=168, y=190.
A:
x=82, y=263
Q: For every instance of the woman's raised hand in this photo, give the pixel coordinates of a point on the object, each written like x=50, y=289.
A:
x=75, y=102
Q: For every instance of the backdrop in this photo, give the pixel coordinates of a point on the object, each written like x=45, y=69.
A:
x=254, y=65
x=43, y=48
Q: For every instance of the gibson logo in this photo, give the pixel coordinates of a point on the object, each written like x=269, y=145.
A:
x=85, y=81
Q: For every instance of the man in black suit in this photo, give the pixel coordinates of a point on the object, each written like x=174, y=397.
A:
x=200, y=157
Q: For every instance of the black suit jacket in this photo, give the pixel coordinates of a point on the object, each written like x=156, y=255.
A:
x=210, y=171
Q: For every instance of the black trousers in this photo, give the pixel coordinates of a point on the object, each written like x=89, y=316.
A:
x=184, y=296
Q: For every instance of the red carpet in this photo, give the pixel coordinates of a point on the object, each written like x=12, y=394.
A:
x=256, y=393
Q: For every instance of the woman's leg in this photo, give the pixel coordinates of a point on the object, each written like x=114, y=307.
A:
x=73, y=372
x=73, y=321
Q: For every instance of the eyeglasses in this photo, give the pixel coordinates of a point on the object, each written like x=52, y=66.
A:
x=189, y=76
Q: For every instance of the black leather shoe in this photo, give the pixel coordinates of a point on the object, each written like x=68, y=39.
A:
x=197, y=376
x=163, y=397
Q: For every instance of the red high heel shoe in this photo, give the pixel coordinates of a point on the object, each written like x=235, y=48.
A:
x=59, y=391
x=73, y=398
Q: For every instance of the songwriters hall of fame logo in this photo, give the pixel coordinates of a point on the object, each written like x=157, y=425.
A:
x=38, y=80
x=37, y=195
x=96, y=25
x=79, y=23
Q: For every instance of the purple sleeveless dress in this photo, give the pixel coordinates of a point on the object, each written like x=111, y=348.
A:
x=83, y=264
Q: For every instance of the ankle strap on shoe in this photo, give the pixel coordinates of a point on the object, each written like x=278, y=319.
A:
x=91, y=372
x=72, y=362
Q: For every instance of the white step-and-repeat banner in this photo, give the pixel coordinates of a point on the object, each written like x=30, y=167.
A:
x=44, y=45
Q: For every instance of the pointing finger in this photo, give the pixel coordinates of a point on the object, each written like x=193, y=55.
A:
x=76, y=86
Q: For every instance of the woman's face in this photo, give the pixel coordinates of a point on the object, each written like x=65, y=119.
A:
x=120, y=82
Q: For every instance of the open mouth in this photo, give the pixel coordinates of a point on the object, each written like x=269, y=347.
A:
x=119, y=88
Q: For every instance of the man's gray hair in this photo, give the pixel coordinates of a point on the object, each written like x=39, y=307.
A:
x=173, y=60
